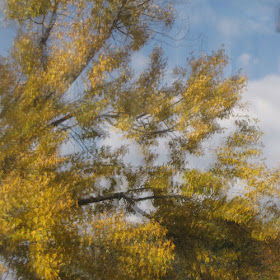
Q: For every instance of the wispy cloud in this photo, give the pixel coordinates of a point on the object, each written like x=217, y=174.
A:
x=228, y=26
x=241, y=19
x=247, y=61
x=139, y=61
x=244, y=59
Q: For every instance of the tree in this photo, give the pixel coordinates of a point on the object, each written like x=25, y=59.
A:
x=69, y=79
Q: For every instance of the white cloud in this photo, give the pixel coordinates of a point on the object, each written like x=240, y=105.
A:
x=264, y=98
x=139, y=61
x=228, y=26
x=244, y=59
x=247, y=61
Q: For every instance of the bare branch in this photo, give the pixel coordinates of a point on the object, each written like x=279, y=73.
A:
x=61, y=120
x=129, y=198
x=92, y=199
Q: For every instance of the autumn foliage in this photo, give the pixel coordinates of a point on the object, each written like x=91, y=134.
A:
x=72, y=207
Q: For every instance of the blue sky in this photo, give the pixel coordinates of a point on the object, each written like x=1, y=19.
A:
x=6, y=39
x=247, y=29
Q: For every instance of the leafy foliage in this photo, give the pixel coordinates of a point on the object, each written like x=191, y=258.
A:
x=69, y=79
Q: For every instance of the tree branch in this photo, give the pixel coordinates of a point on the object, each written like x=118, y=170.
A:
x=126, y=196
x=76, y=74
x=92, y=199
x=46, y=31
x=61, y=120
x=69, y=116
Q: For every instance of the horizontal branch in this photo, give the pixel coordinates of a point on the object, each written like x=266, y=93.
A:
x=92, y=199
x=126, y=196
x=159, y=197
x=163, y=131
x=69, y=116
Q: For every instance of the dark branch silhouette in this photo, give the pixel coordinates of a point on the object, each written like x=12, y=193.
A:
x=126, y=196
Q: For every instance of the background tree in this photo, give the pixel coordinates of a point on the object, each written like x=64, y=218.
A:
x=69, y=77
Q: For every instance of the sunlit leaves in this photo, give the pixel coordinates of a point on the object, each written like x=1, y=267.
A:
x=133, y=251
x=67, y=86
x=24, y=9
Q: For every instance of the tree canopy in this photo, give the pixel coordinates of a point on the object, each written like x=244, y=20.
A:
x=68, y=201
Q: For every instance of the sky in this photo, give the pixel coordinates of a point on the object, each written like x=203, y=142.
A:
x=247, y=31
